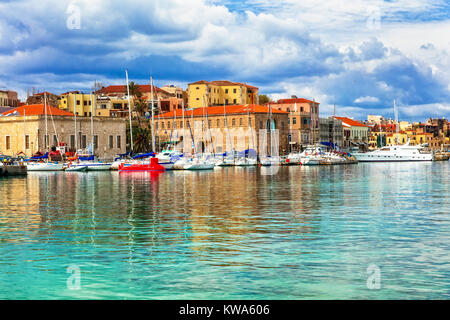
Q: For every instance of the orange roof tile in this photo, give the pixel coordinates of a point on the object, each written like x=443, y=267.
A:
x=351, y=122
x=144, y=88
x=38, y=109
x=219, y=110
x=292, y=101
x=224, y=83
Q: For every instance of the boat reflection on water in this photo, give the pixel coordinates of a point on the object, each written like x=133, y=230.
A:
x=140, y=175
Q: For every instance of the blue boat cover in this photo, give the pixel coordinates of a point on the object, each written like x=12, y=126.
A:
x=90, y=158
x=146, y=155
x=248, y=152
x=45, y=156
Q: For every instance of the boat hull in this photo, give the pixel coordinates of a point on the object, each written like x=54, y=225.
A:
x=76, y=169
x=45, y=167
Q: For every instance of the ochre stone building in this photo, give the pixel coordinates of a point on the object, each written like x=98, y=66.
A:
x=22, y=130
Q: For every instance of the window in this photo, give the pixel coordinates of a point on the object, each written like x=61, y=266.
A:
x=85, y=114
x=8, y=142
x=234, y=101
x=27, y=142
x=90, y=102
x=55, y=140
x=83, y=141
x=218, y=123
x=233, y=122
x=226, y=101
x=118, y=142
x=241, y=122
x=78, y=102
x=95, y=142
x=234, y=91
x=162, y=125
x=168, y=124
x=198, y=88
x=46, y=141
x=72, y=142
x=294, y=120
x=226, y=90
x=260, y=124
x=85, y=103
x=111, y=142
x=90, y=114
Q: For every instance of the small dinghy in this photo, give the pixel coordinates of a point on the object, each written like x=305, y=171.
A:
x=76, y=169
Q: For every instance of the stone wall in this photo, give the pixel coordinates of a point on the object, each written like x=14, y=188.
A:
x=34, y=126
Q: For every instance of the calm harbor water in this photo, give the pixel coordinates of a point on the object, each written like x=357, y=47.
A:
x=232, y=233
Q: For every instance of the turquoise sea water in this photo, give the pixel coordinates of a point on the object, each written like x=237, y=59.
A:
x=232, y=233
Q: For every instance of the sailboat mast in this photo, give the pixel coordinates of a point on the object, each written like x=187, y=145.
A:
x=396, y=122
x=75, y=112
x=129, y=112
x=153, y=116
x=183, y=132
x=92, y=124
x=46, y=125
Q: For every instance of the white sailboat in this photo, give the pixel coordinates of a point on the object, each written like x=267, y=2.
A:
x=90, y=162
x=47, y=165
x=200, y=162
x=271, y=160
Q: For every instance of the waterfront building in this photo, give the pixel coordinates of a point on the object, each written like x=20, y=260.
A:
x=303, y=120
x=236, y=128
x=38, y=98
x=394, y=139
x=331, y=132
x=9, y=99
x=373, y=119
x=81, y=103
x=114, y=99
x=221, y=93
x=356, y=134
x=22, y=130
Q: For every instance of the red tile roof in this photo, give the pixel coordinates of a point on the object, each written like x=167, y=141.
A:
x=44, y=93
x=351, y=122
x=218, y=110
x=224, y=83
x=292, y=101
x=144, y=88
x=38, y=109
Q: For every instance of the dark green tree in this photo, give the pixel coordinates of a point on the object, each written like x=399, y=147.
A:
x=263, y=99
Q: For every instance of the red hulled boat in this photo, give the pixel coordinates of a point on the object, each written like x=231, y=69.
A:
x=140, y=167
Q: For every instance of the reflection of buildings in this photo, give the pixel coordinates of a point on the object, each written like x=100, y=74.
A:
x=238, y=130
x=19, y=207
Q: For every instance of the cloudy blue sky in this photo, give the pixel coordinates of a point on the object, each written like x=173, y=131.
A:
x=359, y=55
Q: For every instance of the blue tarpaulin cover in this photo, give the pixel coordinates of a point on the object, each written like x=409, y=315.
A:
x=248, y=153
x=45, y=156
x=146, y=155
x=90, y=158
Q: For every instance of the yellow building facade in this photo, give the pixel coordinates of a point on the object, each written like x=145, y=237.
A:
x=81, y=103
x=213, y=93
